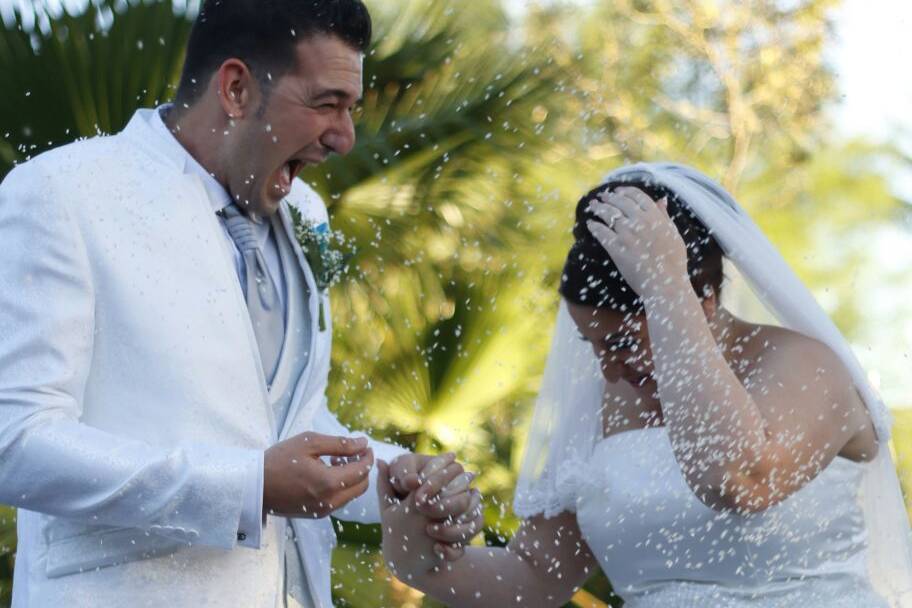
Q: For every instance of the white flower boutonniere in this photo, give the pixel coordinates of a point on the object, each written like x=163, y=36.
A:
x=326, y=261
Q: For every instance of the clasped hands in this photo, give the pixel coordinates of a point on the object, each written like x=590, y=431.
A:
x=428, y=506
x=427, y=517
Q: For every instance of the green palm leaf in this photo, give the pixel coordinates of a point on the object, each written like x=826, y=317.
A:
x=7, y=551
x=85, y=73
x=438, y=120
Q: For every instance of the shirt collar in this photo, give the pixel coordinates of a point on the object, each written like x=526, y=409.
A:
x=218, y=196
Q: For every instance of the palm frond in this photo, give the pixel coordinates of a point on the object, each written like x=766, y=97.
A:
x=432, y=100
x=439, y=379
x=86, y=73
x=7, y=553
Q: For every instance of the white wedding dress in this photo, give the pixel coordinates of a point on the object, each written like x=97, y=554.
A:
x=662, y=548
x=843, y=540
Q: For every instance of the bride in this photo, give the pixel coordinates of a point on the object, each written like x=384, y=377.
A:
x=697, y=458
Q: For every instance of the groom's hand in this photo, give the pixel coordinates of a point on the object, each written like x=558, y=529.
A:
x=297, y=483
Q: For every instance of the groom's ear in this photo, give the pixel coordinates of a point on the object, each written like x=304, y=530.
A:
x=236, y=88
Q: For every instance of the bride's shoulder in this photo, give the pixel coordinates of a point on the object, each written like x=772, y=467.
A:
x=791, y=368
x=791, y=357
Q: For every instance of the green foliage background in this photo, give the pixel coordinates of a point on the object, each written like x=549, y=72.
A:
x=475, y=138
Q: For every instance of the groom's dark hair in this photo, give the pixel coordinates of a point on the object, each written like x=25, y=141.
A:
x=263, y=34
x=591, y=278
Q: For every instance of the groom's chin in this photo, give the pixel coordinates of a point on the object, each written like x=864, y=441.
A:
x=266, y=206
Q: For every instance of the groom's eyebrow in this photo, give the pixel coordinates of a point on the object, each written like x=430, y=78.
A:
x=337, y=93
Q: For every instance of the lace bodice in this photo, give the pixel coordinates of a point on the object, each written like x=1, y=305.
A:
x=661, y=546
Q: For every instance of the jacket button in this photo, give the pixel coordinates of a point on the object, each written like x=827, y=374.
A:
x=241, y=537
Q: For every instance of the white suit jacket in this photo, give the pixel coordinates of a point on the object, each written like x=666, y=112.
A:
x=133, y=406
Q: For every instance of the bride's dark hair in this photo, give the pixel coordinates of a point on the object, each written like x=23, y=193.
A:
x=590, y=277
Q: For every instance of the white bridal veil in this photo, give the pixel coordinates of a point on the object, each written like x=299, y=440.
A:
x=567, y=424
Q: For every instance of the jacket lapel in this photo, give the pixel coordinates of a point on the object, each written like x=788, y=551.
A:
x=304, y=381
x=227, y=256
x=288, y=225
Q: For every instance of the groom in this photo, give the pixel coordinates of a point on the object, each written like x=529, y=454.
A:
x=163, y=363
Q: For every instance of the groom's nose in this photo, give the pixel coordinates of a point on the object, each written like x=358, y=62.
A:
x=340, y=136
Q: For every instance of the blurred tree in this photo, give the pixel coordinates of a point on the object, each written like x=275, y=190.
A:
x=740, y=91
x=7, y=551
x=722, y=83
x=902, y=450
x=79, y=75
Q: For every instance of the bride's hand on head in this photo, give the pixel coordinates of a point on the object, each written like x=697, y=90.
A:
x=641, y=239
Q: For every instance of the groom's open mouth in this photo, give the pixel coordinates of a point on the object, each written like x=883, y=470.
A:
x=287, y=173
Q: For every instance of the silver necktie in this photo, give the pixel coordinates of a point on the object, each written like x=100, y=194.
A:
x=262, y=295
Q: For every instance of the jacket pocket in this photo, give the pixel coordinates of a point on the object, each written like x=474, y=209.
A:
x=107, y=547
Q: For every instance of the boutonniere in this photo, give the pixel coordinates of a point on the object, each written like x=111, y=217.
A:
x=320, y=247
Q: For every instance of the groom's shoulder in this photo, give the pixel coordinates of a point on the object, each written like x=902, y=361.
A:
x=68, y=164
x=55, y=183
x=306, y=200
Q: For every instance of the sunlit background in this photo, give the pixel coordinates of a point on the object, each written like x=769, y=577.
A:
x=482, y=123
x=875, y=102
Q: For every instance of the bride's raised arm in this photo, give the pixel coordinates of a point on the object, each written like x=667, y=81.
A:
x=544, y=564
x=745, y=443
